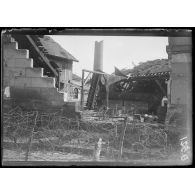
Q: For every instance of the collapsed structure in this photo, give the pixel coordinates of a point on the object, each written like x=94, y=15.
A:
x=143, y=93
x=38, y=76
x=140, y=93
x=137, y=93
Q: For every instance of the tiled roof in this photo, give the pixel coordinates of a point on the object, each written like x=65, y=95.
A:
x=164, y=74
x=149, y=69
x=152, y=66
x=50, y=47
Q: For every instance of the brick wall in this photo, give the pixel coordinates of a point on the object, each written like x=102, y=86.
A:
x=26, y=82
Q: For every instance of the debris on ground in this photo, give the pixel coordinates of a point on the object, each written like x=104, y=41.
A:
x=32, y=131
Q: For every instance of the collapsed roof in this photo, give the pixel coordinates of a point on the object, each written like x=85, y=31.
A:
x=145, y=70
x=151, y=66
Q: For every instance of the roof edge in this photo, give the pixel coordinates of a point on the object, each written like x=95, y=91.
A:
x=75, y=60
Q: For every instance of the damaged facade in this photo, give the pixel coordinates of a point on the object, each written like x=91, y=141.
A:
x=143, y=93
x=38, y=72
x=180, y=86
x=139, y=93
x=129, y=115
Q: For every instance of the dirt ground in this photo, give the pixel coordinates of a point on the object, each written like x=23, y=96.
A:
x=45, y=158
x=11, y=155
x=62, y=140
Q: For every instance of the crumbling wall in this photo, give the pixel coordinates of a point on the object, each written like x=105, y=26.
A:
x=179, y=114
x=179, y=51
x=28, y=87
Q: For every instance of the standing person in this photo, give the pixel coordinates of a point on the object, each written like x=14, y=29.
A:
x=162, y=110
x=98, y=148
x=164, y=102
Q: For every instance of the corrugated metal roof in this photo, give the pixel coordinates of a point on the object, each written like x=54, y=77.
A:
x=51, y=47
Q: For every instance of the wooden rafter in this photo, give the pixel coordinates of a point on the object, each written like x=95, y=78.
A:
x=151, y=76
x=86, y=79
x=41, y=54
x=96, y=72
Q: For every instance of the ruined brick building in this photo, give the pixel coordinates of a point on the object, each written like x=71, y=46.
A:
x=144, y=92
x=37, y=72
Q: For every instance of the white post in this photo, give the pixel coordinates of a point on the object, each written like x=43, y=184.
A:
x=98, y=149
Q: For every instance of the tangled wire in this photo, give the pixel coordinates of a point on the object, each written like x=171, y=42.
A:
x=143, y=136
x=51, y=130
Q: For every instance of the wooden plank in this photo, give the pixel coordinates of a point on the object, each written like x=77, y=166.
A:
x=82, y=90
x=122, y=139
x=96, y=72
x=107, y=91
x=96, y=90
x=85, y=80
x=41, y=54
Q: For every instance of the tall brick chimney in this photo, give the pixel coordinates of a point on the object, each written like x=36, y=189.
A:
x=98, y=56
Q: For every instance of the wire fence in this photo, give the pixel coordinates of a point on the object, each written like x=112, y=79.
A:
x=28, y=130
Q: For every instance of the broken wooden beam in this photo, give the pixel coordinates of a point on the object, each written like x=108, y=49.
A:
x=96, y=72
x=41, y=54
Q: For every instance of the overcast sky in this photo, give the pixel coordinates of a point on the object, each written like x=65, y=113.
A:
x=119, y=51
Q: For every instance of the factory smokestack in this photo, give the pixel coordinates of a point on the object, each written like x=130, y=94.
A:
x=98, y=56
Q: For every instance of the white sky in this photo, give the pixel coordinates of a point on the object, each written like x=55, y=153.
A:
x=119, y=51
